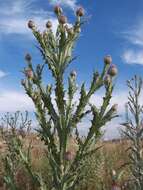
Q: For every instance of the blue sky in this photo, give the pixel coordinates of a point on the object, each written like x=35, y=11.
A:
x=114, y=27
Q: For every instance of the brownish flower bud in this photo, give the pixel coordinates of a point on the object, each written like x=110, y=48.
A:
x=29, y=73
x=62, y=19
x=73, y=74
x=80, y=12
x=58, y=9
x=69, y=156
x=115, y=107
x=31, y=24
x=28, y=57
x=107, y=80
x=113, y=70
x=108, y=60
x=49, y=24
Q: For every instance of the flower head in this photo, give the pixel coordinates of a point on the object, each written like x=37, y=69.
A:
x=49, y=24
x=73, y=74
x=80, y=12
x=29, y=73
x=113, y=70
x=31, y=24
x=107, y=80
x=58, y=9
x=69, y=156
x=28, y=57
x=62, y=19
x=108, y=60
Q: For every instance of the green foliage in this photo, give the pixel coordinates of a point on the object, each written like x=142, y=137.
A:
x=134, y=131
x=58, y=120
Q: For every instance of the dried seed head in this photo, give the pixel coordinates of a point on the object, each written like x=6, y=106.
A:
x=80, y=12
x=28, y=57
x=62, y=19
x=113, y=70
x=58, y=9
x=49, y=24
x=29, y=73
x=31, y=24
x=115, y=107
x=73, y=74
x=108, y=60
x=69, y=156
x=107, y=80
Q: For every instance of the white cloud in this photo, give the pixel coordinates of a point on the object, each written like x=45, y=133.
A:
x=113, y=127
x=132, y=56
x=2, y=74
x=117, y=97
x=69, y=3
x=135, y=34
x=11, y=101
x=15, y=14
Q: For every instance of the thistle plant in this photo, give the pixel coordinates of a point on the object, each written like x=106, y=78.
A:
x=134, y=130
x=59, y=117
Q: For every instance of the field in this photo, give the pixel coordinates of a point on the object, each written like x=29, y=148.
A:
x=99, y=168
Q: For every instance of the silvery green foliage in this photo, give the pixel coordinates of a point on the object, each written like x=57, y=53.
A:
x=134, y=130
x=59, y=119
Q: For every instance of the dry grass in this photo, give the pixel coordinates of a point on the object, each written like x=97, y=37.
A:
x=97, y=169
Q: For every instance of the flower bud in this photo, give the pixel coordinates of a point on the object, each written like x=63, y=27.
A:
x=108, y=60
x=70, y=31
x=62, y=19
x=22, y=82
x=73, y=74
x=31, y=24
x=28, y=57
x=107, y=80
x=78, y=30
x=49, y=24
x=58, y=9
x=69, y=156
x=29, y=73
x=66, y=27
x=44, y=34
x=80, y=12
x=113, y=70
x=115, y=107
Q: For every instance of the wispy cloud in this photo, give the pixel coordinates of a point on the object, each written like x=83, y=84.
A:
x=11, y=101
x=134, y=36
x=132, y=56
x=69, y=3
x=2, y=74
x=15, y=14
